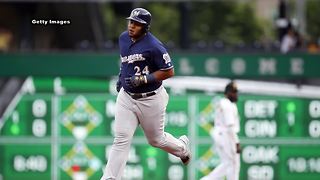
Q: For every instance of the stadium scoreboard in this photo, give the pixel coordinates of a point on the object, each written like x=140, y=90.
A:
x=59, y=129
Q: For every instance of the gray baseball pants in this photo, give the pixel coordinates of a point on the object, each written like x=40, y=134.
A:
x=149, y=112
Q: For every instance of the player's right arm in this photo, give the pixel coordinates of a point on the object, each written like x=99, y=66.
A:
x=118, y=85
x=159, y=75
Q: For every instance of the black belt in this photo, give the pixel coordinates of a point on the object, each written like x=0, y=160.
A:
x=140, y=95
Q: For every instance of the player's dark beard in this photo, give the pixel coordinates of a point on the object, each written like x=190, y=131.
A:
x=139, y=35
x=233, y=98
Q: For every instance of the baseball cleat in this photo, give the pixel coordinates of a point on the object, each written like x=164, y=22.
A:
x=186, y=159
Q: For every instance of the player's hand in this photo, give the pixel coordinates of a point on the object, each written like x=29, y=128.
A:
x=118, y=86
x=238, y=148
x=135, y=81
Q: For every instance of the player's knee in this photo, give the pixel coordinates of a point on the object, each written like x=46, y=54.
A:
x=156, y=142
x=122, y=138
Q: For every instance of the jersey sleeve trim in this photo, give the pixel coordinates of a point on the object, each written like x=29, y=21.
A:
x=164, y=69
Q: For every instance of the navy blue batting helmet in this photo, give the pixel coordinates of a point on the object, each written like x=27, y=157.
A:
x=142, y=16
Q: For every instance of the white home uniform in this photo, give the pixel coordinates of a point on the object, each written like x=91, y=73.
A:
x=226, y=127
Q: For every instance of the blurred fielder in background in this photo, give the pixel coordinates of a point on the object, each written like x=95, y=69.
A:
x=142, y=99
x=226, y=141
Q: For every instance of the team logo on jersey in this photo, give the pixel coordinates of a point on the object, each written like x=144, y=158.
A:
x=166, y=58
x=132, y=58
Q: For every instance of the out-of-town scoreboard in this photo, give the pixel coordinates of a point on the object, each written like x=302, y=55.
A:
x=63, y=129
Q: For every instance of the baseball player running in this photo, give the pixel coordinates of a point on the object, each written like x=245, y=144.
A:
x=142, y=99
x=226, y=141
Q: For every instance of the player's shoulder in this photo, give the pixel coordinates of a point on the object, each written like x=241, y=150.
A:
x=124, y=35
x=155, y=42
x=225, y=102
x=124, y=39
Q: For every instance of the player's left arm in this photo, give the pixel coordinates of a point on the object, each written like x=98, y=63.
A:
x=163, y=61
x=234, y=138
x=161, y=75
x=230, y=122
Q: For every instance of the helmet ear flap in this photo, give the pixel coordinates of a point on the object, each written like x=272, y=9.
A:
x=147, y=27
